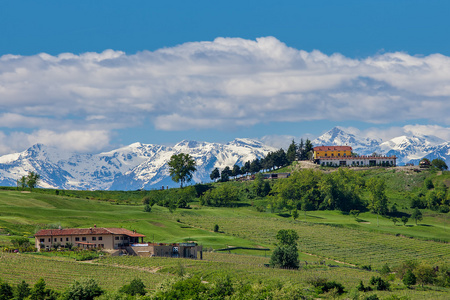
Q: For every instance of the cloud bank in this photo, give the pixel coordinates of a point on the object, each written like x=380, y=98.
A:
x=226, y=83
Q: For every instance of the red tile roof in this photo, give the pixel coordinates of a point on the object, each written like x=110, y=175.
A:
x=332, y=148
x=87, y=231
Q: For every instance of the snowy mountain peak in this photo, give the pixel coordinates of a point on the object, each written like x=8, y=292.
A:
x=339, y=137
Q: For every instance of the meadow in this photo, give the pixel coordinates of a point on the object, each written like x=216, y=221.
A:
x=333, y=245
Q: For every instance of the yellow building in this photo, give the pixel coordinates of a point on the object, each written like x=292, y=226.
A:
x=331, y=151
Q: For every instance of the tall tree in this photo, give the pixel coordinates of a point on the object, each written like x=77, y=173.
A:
x=308, y=149
x=301, y=150
x=291, y=154
x=32, y=179
x=214, y=174
x=225, y=174
x=417, y=215
x=181, y=168
x=236, y=171
x=378, y=199
x=285, y=254
x=439, y=164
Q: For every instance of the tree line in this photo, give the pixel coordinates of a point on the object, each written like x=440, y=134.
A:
x=272, y=161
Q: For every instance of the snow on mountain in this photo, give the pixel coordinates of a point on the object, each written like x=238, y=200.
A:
x=338, y=137
x=136, y=166
x=408, y=149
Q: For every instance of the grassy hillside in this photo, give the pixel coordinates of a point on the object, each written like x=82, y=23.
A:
x=334, y=245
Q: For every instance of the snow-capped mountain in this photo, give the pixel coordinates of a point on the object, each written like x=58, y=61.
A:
x=408, y=149
x=137, y=166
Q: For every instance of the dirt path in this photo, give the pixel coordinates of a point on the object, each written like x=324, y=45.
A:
x=338, y=261
x=149, y=270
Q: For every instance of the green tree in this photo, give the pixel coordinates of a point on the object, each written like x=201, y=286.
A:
x=439, y=164
x=135, y=287
x=181, y=168
x=225, y=174
x=22, y=290
x=417, y=215
x=87, y=289
x=295, y=214
x=236, y=171
x=378, y=200
x=6, y=291
x=405, y=220
x=32, y=179
x=409, y=278
x=285, y=254
x=39, y=290
x=215, y=174
x=22, y=182
x=308, y=149
x=291, y=153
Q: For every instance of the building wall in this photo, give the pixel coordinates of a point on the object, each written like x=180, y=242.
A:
x=106, y=241
x=331, y=153
x=357, y=161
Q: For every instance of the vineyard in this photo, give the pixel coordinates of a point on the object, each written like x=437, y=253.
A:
x=332, y=244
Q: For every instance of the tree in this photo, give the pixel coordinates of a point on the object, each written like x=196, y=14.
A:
x=308, y=149
x=294, y=214
x=291, y=154
x=301, y=150
x=32, y=179
x=236, y=171
x=409, y=278
x=6, y=291
x=405, y=220
x=439, y=164
x=181, y=168
x=22, y=290
x=417, y=215
x=225, y=174
x=215, y=174
x=285, y=254
x=136, y=287
x=22, y=182
x=87, y=289
x=378, y=199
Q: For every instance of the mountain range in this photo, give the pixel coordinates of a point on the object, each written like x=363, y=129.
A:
x=144, y=166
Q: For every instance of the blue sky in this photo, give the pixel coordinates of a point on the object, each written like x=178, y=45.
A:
x=94, y=75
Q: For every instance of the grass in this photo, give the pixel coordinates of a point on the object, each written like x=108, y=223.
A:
x=332, y=244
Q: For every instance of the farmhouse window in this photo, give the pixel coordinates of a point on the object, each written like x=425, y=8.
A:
x=116, y=238
x=83, y=238
x=94, y=238
x=67, y=239
x=100, y=238
x=42, y=240
x=49, y=240
x=54, y=239
x=77, y=239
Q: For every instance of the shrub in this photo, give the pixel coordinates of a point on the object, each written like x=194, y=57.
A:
x=87, y=289
x=216, y=228
x=409, y=278
x=22, y=290
x=136, y=287
x=324, y=286
x=380, y=284
x=6, y=291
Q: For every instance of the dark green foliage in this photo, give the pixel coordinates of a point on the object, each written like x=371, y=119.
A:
x=6, y=291
x=223, y=195
x=322, y=285
x=236, y=171
x=378, y=200
x=405, y=220
x=225, y=174
x=216, y=228
x=222, y=287
x=22, y=290
x=428, y=183
x=181, y=168
x=261, y=187
x=87, y=289
x=409, y=278
x=147, y=208
x=285, y=254
x=372, y=297
x=215, y=174
x=40, y=292
x=379, y=283
x=417, y=215
x=188, y=288
x=291, y=154
x=310, y=190
x=439, y=164
x=136, y=287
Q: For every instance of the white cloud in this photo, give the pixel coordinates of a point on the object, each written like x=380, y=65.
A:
x=70, y=141
x=229, y=82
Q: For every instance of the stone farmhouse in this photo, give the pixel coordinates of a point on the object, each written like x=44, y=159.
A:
x=342, y=156
x=119, y=240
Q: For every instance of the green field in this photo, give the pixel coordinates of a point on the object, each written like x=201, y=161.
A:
x=332, y=244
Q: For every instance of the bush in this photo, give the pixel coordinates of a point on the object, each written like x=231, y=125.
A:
x=409, y=278
x=136, y=287
x=216, y=228
x=324, y=286
x=87, y=289
x=380, y=284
